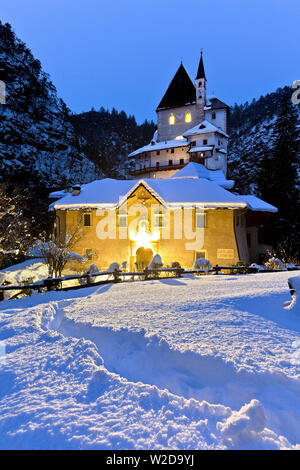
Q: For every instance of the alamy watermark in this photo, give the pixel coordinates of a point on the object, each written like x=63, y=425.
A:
x=145, y=225
x=2, y=92
x=296, y=94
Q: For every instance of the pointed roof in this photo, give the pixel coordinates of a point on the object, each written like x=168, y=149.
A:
x=201, y=72
x=181, y=91
x=204, y=127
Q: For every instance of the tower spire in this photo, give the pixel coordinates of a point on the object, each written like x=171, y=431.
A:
x=201, y=72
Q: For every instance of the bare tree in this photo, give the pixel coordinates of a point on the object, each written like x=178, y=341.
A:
x=57, y=251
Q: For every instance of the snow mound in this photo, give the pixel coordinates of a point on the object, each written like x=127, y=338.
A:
x=156, y=262
x=202, y=263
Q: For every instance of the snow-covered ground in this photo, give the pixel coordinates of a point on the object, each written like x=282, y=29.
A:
x=207, y=362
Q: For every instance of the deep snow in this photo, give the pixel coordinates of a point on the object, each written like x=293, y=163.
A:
x=207, y=362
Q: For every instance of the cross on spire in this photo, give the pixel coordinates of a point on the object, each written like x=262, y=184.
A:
x=201, y=72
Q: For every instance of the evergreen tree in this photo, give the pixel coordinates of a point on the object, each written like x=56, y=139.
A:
x=278, y=179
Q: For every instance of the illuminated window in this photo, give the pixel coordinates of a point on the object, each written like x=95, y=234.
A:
x=160, y=220
x=171, y=119
x=188, y=117
x=122, y=220
x=201, y=219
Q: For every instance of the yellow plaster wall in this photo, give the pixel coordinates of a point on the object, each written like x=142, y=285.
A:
x=219, y=234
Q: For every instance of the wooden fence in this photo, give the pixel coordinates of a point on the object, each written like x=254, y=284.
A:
x=87, y=280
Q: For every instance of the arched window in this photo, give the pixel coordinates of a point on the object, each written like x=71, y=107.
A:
x=188, y=116
x=171, y=119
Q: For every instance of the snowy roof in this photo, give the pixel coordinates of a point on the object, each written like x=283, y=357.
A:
x=166, y=144
x=197, y=170
x=204, y=127
x=110, y=193
x=254, y=203
x=192, y=170
x=200, y=149
x=57, y=194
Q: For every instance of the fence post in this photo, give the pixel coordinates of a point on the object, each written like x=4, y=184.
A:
x=116, y=274
x=217, y=269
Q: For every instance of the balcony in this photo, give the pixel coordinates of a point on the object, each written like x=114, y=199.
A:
x=161, y=167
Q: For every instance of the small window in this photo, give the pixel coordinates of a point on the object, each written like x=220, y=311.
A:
x=170, y=162
x=188, y=117
x=157, y=152
x=157, y=164
x=201, y=219
x=89, y=253
x=171, y=119
x=200, y=83
x=200, y=96
x=181, y=161
x=87, y=220
x=213, y=115
x=160, y=220
x=172, y=150
x=204, y=141
x=122, y=220
x=219, y=142
x=193, y=144
x=200, y=254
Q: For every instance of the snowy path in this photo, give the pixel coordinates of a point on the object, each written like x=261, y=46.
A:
x=136, y=365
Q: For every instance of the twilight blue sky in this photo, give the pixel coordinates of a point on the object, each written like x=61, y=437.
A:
x=123, y=53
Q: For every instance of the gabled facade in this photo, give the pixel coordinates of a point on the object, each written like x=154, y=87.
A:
x=186, y=217
x=191, y=126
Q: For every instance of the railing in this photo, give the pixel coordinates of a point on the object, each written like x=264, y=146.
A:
x=148, y=169
x=116, y=276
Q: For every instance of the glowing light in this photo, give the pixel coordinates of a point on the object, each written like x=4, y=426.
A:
x=144, y=238
x=171, y=119
x=188, y=117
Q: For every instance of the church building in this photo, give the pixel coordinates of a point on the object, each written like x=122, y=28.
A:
x=191, y=127
x=180, y=203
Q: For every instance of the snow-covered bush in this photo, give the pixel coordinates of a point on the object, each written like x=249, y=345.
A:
x=113, y=267
x=259, y=267
x=202, y=263
x=156, y=262
x=275, y=263
x=175, y=264
x=92, y=269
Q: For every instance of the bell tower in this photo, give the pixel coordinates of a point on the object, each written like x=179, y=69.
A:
x=201, y=87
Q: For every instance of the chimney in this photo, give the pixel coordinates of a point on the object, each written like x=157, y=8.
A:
x=76, y=190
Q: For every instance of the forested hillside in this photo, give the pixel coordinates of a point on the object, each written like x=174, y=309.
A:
x=37, y=139
x=108, y=138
